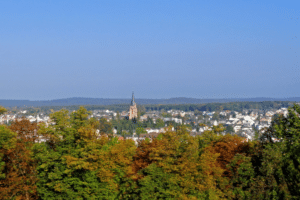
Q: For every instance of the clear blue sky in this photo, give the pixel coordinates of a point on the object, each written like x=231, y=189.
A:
x=159, y=49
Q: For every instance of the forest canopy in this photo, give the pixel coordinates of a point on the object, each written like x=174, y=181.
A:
x=71, y=159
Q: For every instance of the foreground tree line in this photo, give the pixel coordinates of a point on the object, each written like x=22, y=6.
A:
x=75, y=162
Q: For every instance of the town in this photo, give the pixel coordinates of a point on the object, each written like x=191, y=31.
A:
x=138, y=125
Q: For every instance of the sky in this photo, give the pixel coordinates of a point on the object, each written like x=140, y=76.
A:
x=158, y=49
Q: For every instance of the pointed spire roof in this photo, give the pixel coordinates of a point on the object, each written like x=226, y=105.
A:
x=132, y=100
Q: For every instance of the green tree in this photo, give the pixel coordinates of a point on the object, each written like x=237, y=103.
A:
x=140, y=131
x=7, y=142
x=287, y=131
x=233, y=114
x=216, y=116
x=159, y=123
x=141, y=110
x=270, y=182
x=125, y=134
x=164, y=114
x=105, y=127
x=229, y=129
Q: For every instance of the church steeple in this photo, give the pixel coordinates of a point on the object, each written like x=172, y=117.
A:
x=132, y=109
x=132, y=100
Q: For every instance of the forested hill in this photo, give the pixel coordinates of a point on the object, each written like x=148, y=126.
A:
x=102, y=101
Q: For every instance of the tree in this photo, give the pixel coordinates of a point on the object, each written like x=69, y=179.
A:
x=140, y=131
x=141, y=110
x=20, y=166
x=229, y=129
x=269, y=180
x=164, y=114
x=2, y=110
x=233, y=114
x=7, y=142
x=118, y=116
x=149, y=122
x=119, y=129
x=228, y=146
x=218, y=129
x=287, y=131
x=74, y=163
x=216, y=116
x=197, y=112
x=159, y=123
x=125, y=134
x=170, y=167
x=105, y=127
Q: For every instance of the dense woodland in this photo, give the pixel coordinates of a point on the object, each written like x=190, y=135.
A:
x=233, y=106
x=75, y=162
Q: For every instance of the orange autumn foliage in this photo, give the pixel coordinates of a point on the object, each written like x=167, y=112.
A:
x=142, y=156
x=228, y=146
x=20, y=180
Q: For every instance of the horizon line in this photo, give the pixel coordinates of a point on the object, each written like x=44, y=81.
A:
x=206, y=98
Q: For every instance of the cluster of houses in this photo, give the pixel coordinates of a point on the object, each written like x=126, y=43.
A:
x=7, y=118
x=242, y=124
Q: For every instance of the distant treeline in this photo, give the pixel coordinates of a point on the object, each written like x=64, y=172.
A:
x=234, y=106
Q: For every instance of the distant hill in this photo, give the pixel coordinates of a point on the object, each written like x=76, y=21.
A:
x=102, y=101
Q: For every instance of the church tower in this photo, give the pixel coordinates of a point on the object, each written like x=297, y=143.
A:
x=132, y=109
